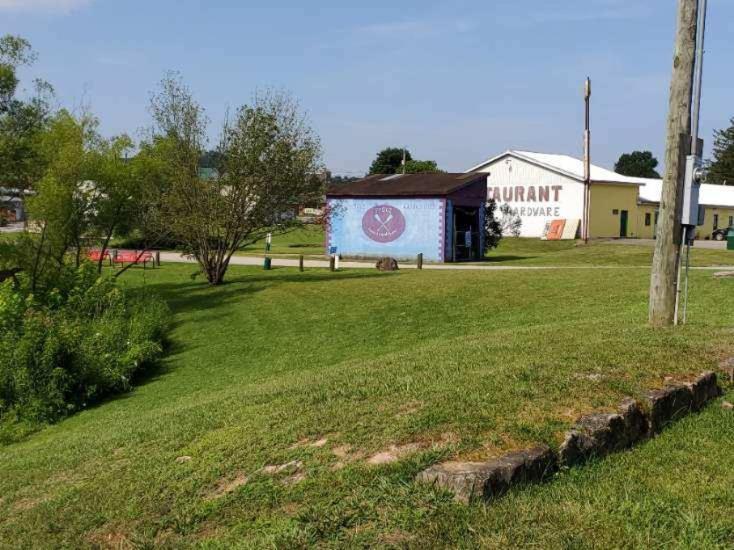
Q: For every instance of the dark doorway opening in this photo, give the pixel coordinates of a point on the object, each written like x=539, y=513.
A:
x=623, y=215
x=466, y=234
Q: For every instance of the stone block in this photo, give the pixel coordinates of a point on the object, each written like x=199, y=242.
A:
x=487, y=480
x=703, y=389
x=597, y=435
x=668, y=404
x=387, y=264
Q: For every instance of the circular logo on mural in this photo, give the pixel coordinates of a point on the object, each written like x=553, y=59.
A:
x=383, y=223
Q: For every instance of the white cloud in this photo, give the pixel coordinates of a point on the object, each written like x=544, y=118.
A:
x=43, y=6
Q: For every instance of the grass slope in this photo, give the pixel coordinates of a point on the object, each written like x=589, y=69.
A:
x=331, y=369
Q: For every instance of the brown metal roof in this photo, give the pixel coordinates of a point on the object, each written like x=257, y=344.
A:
x=402, y=185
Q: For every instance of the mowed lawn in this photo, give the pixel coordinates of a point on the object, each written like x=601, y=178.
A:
x=269, y=422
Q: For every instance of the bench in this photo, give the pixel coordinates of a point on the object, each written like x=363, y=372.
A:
x=95, y=255
x=133, y=257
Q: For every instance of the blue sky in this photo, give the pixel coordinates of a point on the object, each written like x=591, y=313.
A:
x=454, y=81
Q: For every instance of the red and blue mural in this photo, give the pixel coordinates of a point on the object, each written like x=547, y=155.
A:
x=401, y=228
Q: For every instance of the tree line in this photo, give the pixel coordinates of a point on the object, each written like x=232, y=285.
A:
x=719, y=168
x=82, y=189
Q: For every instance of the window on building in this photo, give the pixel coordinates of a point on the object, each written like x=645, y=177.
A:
x=731, y=221
x=615, y=212
x=648, y=219
x=657, y=215
x=716, y=222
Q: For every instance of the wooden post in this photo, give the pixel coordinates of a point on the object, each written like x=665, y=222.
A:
x=332, y=261
x=420, y=261
x=158, y=258
x=300, y=262
x=677, y=146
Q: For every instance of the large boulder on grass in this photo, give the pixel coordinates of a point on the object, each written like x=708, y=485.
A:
x=387, y=264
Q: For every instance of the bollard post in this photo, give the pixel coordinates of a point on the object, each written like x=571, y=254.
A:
x=157, y=258
x=300, y=262
x=332, y=263
x=420, y=260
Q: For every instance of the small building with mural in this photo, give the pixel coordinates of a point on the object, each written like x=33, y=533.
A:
x=439, y=215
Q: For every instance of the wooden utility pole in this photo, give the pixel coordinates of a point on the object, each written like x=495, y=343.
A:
x=677, y=147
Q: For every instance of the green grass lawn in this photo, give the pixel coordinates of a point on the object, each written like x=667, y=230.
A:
x=307, y=240
x=326, y=370
x=600, y=253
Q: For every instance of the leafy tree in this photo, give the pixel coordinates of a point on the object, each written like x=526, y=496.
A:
x=721, y=167
x=270, y=159
x=639, y=164
x=511, y=223
x=64, y=199
x=14, y=52
x=389, y=161
x=115, y=192
x=210, y=159
x=497, y=226
x=421, y=166
x=338, y=180
x=492, y=226
x=21, y=121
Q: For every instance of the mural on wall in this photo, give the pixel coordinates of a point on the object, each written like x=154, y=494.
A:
x=383, y=223
x=401, y=228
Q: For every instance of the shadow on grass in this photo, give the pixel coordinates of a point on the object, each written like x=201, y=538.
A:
x=197, y=294
x=506, y=258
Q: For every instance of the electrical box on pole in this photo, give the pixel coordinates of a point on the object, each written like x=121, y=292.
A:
x=691, y=214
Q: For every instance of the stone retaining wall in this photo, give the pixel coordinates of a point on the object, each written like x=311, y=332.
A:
x=592, y=436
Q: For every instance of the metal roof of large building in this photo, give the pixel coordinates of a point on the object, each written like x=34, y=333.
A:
x=650, y=189
x=711, y=195
x=566, y=165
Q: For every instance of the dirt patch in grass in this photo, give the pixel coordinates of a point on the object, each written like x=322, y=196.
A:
x=315, y=443
x=395, y=453
x=227, y=485
x=411, y=407
x=294, y=469
x=109, y=538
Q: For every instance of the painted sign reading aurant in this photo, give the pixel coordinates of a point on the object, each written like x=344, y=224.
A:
x=401, y=228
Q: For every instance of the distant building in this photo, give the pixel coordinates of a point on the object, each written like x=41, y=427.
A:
x=439, y=215
x=542, y=187
x=12, y=208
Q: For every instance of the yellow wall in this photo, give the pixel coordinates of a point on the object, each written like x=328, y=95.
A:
x=702, y=232
x=646, y=231
x=707, y=228
x=607, y=198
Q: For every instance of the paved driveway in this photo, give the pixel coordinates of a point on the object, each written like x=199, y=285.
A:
x=175, y=257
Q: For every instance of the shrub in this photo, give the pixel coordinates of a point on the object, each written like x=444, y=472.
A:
x=72, y=349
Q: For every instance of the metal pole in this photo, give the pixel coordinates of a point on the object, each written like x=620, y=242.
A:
x=685, y=294
x=677, y=279
x=698, y=76
x=587, y=158
x=695, y=146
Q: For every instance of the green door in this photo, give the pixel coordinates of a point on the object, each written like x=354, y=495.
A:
x=623, y=215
